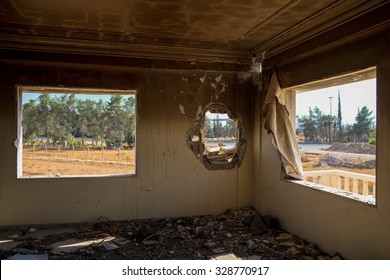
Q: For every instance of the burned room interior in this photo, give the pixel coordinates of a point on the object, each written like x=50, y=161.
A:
x=182, y=61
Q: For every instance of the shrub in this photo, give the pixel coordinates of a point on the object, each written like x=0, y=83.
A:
x=372, y=141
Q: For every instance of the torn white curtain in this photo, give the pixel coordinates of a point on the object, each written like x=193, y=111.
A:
x=278, y=123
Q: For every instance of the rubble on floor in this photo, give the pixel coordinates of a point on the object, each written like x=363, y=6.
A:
x=235, y=234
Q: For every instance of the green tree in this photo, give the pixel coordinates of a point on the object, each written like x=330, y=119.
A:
x=62, y=123
x=328, y=122
x=46, y=125
x=87, y=122
x=231, y=128
x=30, y=121
x=363, y=125
x=208, y=128
x=318, y=116
x=57, y=118
x=100, y=122
x=308, y=124
x=115, y=116
x=217, y=127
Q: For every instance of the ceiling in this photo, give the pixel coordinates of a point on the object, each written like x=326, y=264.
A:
x=226, y=30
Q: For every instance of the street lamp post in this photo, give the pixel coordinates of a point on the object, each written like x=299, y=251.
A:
x=330, y=119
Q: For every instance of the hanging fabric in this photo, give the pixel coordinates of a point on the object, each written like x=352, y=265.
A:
x=279, y=125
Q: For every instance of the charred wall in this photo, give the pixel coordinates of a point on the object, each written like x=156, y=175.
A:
x=170, y=181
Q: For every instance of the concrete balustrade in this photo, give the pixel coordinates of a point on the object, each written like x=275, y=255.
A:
x=358, y=183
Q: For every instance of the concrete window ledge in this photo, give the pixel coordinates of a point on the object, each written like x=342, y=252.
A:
x=369, y=200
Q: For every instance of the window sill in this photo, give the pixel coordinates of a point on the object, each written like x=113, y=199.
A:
x=92, y=176
x=368, y=200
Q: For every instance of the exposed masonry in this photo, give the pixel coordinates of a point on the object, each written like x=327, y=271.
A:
x=195, y=140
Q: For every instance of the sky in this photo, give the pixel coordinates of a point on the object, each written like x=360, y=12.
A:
x=352, y=96
x=213, y=116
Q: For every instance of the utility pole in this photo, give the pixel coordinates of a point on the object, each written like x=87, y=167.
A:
x=339, y=118
x=330, y=119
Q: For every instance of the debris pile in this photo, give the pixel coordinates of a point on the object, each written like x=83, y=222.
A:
x=353, y=162
x=356, y=148
x=220, y=155
x=235, y=234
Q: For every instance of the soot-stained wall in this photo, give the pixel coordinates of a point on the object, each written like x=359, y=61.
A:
x=335, y=223
x=170, y=181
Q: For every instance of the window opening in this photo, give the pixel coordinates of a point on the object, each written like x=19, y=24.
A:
x=220, y=133
x=218, y=139
x=336, y=134
x=76, y=132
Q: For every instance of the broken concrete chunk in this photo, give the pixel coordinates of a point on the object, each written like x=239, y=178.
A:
x=31, y=230
x=210, y=244
x=285, y=237
x=257, y=225
x=121, y=241
x=293, y=251
x=222, y=257
x=288, y=244
x=251, y=243
x=219, y=250
x=109, y=246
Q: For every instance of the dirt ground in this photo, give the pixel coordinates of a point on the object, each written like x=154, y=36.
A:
x=312, y=161
x=234, y=234
x=53, y=162
x=342, y=156
x=347, y=158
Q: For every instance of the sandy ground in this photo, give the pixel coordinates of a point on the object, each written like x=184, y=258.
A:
x=313, y=158
x=85, y=162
